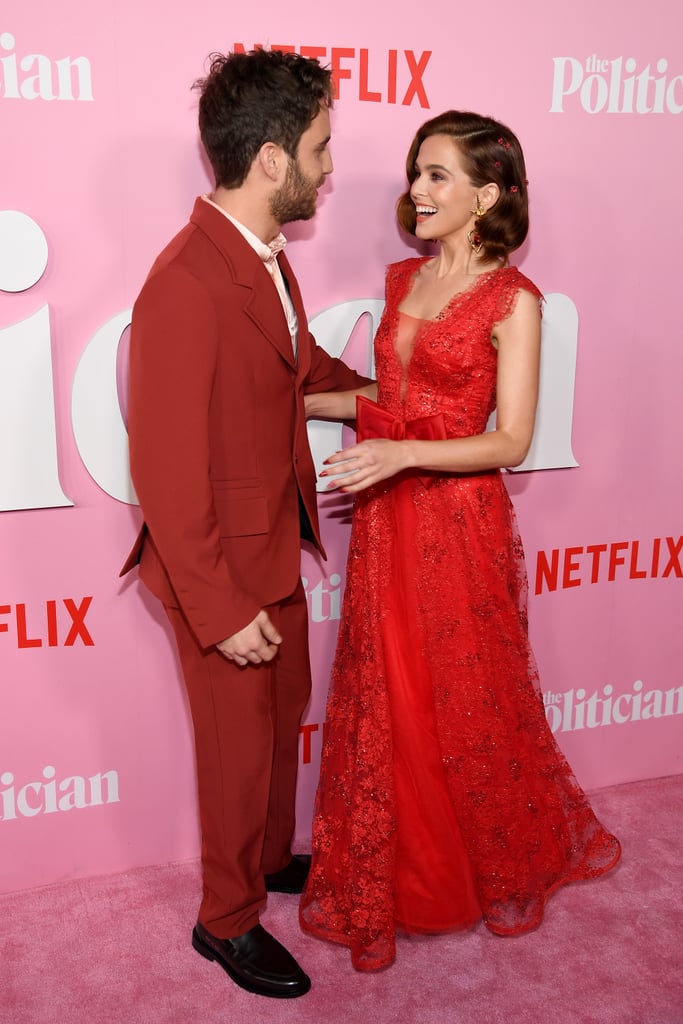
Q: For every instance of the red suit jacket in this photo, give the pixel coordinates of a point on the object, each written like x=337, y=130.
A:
x=218, y=445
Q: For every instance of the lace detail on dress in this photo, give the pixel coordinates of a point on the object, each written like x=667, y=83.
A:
x=443, y=795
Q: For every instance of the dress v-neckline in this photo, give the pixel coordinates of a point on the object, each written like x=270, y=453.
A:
x=410, y=283
x=423, y=323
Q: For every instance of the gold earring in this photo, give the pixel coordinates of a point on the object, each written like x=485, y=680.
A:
x=474, y=238
x=480, y=211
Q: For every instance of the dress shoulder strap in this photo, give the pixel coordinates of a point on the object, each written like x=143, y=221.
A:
x=399, y=274
x=510, y=281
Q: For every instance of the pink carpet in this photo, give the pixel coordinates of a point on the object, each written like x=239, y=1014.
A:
x=116, y=950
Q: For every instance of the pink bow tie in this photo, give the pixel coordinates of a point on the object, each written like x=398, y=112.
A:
x=275, y=247
x=373, y=421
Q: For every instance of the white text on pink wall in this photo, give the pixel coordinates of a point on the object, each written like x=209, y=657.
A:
x=29, y=466
x=599, y=85
x=36, y=76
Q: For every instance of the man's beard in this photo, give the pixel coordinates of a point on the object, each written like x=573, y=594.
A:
x=296, y=199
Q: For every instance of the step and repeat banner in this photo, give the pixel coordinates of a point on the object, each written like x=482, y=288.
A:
x=100, y=166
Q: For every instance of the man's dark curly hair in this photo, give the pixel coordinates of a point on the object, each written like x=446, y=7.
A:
x=251, y=98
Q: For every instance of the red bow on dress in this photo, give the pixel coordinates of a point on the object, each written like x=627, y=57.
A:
x=373, y=421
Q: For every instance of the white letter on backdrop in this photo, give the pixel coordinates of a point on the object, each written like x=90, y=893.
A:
x=101, y=436
x=28, y=442
x=551, y=447
x=559, y=89
x=28, y=451
x=332, y=329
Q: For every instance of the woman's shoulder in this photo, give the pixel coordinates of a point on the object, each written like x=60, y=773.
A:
x=398, y=276
x=405, y=268
x=507, y=283
x=513, y=280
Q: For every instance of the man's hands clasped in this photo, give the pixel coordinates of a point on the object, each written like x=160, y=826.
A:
x=256, y=643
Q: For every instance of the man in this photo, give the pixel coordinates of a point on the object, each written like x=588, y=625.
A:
x=221, y=358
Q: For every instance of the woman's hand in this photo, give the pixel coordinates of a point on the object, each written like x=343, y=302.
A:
x=366, y=464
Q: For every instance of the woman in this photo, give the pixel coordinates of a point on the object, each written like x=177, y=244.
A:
x=443, y=796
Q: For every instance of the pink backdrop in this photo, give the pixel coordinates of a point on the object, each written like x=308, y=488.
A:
x=101, y=163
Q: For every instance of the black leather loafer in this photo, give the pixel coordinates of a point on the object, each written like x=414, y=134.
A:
x=291, y=878
x=255, y=961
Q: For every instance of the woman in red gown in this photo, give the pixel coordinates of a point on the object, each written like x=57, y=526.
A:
x=443, y=796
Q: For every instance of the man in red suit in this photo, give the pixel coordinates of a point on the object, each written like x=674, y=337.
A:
x=221, y=358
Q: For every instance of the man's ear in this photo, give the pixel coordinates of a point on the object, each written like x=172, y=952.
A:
x=272, y=160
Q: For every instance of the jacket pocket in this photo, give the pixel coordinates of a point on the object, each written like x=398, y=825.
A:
x=241, y=507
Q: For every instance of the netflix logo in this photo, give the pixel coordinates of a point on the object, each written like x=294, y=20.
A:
x=49, y=624
x=660, y=558
x=312, y=736
x=373, y=76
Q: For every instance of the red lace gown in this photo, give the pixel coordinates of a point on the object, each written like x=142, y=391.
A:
x=443, y=796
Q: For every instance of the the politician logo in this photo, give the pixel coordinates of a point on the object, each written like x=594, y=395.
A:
x=35, y=76
x=575, y=710
x=600, y=85
x=50, y=795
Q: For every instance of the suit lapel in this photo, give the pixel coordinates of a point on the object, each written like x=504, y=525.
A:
x=303, y=361
x=261, y=301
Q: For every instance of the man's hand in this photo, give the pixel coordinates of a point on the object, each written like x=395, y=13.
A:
x=254, y=644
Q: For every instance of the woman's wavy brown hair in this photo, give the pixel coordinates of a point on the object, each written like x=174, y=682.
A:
x=490, y=153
